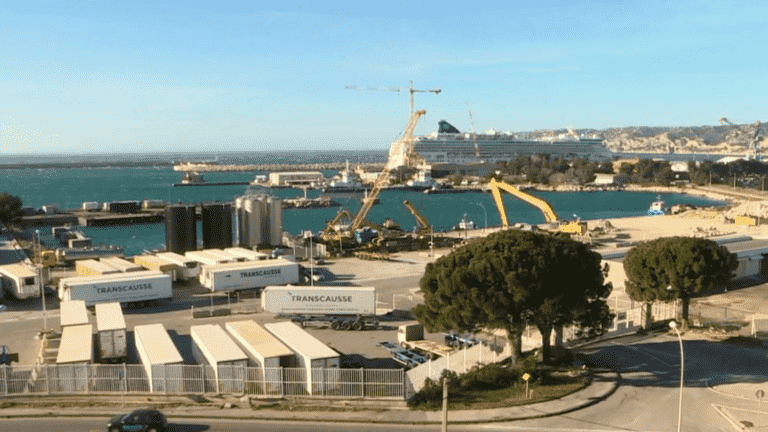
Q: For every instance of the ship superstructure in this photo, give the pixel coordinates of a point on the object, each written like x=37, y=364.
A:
x=449, y=145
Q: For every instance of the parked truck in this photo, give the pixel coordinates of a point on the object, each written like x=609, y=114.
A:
x=110, y=325
x=21, y=280
x=341, y=308
x=248, y=275
x=130, y=289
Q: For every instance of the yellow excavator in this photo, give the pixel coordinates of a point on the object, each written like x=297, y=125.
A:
x=423, y=226
x=572, y=227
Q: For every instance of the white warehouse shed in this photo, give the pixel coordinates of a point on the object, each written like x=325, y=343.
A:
x=311, y=353
x=157, y=352
x=212, y=346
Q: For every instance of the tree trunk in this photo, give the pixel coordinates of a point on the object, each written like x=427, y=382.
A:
x=648, y=315
x=686, y=302
x=515, y=339
x=546, y=333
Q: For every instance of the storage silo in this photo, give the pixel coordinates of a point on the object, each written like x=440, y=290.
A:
x=248, y=220
x=275, y=224
x=180, y=228
x=217, y=226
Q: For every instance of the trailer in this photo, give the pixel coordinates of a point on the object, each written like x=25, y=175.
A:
x=152, y=262
x=135, y=288
x=110, y=324
x=188, y=268
x=91, y=206
x=120, y=264
x=249, y=254
x=152, y=203
x=73, y=360
x=411, y=336
x=212, y=346
x=73, y=313
x=205, y=258
x=248, y=275
x=222, y=253
x=91, y=267
x=340, y=308
x=157, y=352
x=311, y=354
x=21, y=280
x=264, y=350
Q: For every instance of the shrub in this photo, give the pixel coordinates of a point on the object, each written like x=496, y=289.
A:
x=490, y=377
x=431, y=394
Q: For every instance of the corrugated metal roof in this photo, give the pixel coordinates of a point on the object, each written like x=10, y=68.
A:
x=109, y=316
x=76, y=344
x=300, y=341
x=217, y=342
x=73, y=313
x=258, y=338
x=157, y=344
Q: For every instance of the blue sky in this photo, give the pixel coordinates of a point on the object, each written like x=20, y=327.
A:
x=115, y=77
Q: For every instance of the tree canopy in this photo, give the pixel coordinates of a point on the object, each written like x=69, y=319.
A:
x=689, y=266
x=512, y=278
x=10, y=208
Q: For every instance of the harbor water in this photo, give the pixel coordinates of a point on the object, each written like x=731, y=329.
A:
x=70, y=187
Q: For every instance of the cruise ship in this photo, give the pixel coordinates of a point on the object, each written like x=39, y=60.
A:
x=450, y=146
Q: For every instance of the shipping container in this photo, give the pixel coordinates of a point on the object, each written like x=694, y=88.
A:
x=264, y=350
x=152, y=262
x=73, y=313
x=188, y=268
x=21, y=280
x=226, y=255
x=327, y=300
x=91, y=206
x=110, y=324
x=135, y=287
x=157, y=351
x=205, y=258
x=51, y=209
x=120, y=264
x=249, y=275
x=76, y=345
x=91, y=267
x=125, y=206
x=212, y=346
x=251, y=255
x=310, y=352
x=152, y=203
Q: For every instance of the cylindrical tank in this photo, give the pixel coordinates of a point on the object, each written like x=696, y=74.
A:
x=180, y=228
x=217, y=226
x=275, y=216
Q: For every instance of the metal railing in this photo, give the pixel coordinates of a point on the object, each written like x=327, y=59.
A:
x=201, y=379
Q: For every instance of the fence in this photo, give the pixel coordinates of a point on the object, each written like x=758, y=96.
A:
x=750, y=322
x=200, y=379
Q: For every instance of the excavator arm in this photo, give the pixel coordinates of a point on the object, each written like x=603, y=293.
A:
x=421, y=221
x=543, y=205
x=331, y=231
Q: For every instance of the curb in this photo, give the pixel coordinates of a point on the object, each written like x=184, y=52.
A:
x=592, y=401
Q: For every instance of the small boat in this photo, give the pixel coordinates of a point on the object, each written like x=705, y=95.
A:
x=347, y=182
x=465, y=224
x=658, y=207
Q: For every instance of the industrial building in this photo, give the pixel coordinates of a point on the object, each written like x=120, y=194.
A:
x=259, y=220
x=296, y=178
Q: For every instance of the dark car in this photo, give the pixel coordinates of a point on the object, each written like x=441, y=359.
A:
x=140, y=420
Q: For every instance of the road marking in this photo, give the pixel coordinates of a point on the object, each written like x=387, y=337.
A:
x=640, y=351
x=541, y=428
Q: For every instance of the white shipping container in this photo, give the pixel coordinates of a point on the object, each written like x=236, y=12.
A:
x=205, y=258
x=211, y=345
x=246, y=253
x=156, y=351
x=76, y=345
x=21, y=280
x=310, y=352
x=188, y=268
x=73, y=313
x=265, y=350
x=226, y=255
x=152, y=262
x=91, y=206
x=91, y=267
x=110, y=324
x=121, y=287
x=325, y=300
x=121, y=264
x=249, y=274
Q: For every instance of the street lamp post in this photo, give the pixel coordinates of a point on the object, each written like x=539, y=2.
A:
x=486, y=217
x=39, y=253
x=673, y=325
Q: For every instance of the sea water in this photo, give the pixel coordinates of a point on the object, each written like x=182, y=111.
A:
x=70, y=187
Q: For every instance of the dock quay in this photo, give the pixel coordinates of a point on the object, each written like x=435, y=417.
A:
x=205, y=167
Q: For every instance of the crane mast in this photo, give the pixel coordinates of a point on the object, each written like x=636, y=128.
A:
x=753, y=152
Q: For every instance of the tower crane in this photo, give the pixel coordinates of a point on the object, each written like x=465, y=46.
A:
x=474, y=135
x=395, y=89
x=755, y=130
